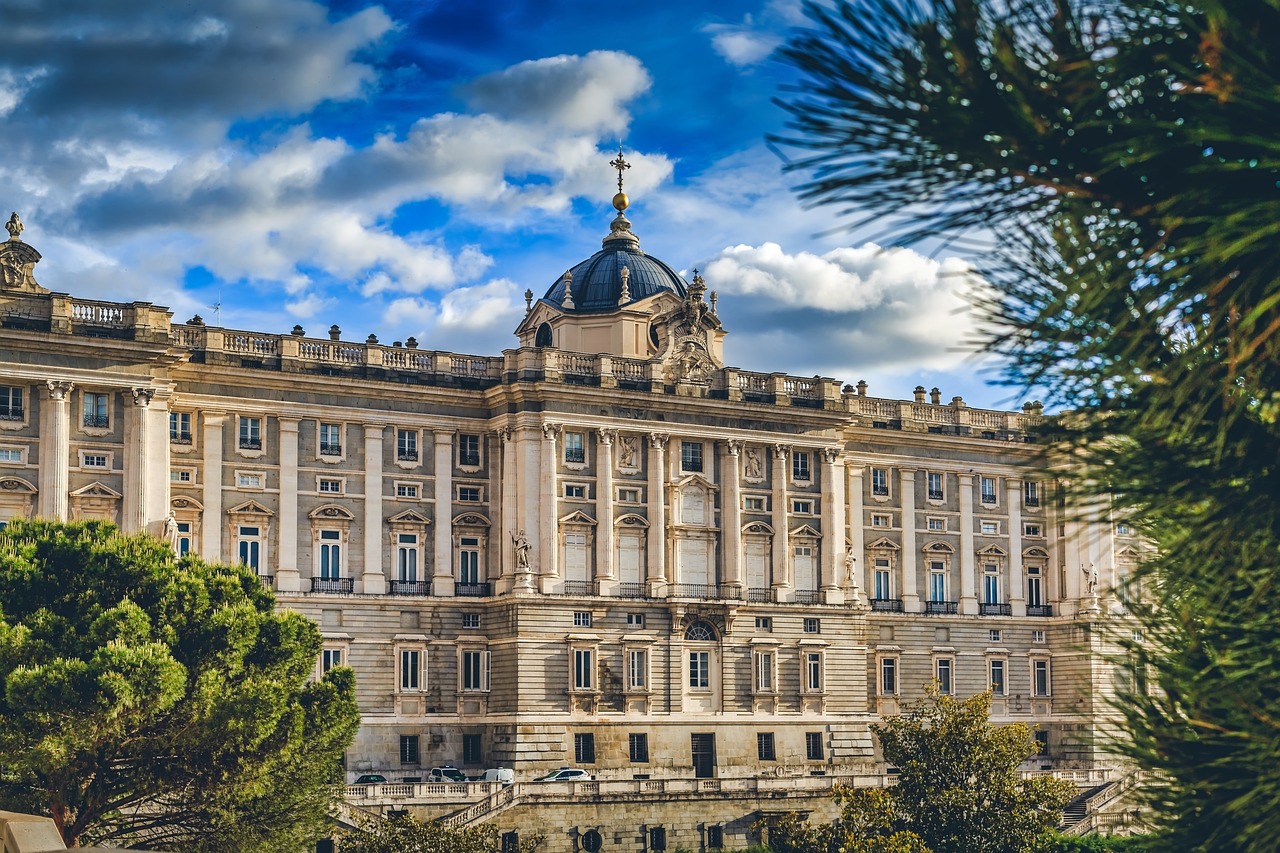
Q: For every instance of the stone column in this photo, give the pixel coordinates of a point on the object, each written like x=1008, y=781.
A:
x=374, y=578
x=783, y=589
x=1017, y=582
x=910, y=553
x=442, y=560
x=214, y=520
x=546, y=500
x=288, y=578
x=606, y=577
x=657, y=545
x=509, y=524
x=858, y=533
x=731, y=516
x=137, y=476
x=55, y=452
x=833, y=548
x=968, y=598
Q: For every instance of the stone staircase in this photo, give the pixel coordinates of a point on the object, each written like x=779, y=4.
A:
x=499, y=801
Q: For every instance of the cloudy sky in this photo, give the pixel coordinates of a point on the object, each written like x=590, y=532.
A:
x=411, y=167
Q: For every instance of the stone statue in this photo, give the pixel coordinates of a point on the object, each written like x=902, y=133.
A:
x=14, y=226
x=754, y=468
x=627, y=451
x=171, y=531
x=523, y=548
x=849, y=562
x=1091, y=575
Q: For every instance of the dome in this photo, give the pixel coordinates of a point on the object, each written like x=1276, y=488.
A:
x=597, y=283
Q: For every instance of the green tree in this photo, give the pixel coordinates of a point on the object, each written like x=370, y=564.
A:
x=958, y=789
x=146, y=699
x=403, y=834
x=1120, y=158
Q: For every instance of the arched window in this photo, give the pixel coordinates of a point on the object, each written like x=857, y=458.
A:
x=543, y=337
x=701, y=632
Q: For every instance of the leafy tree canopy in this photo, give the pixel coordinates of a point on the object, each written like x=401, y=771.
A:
x=958, y=789
x=403, y=834
x=150, y=700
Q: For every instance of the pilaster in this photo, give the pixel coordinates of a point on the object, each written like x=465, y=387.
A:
x=373, y=579
x=211, y=493
x=968, y=577
x=137, y=474
x=657, y=545
x=857, y=533
x=910, y=551
x=55, y=454
x=1017, y=581
x=442, y=469
x=288, y=579
x=731, y=515
x=546, y=500
x=783, y=589
x=833, y=548
x=606, y=577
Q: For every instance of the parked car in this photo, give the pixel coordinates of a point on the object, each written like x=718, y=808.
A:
x=498, y=774
x=370, y=779
x=448, y=773
x=567, y=774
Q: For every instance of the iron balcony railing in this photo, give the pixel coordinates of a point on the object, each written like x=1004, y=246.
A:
x=882, y=491
x=411, y=587
x=97, y=421
x=268, y=581
x=407, y=456
x=473, y=590
x=469, y=458
x=935, y=495
x=575, y=454
x=633, y=590
x=808, y=596
x=757, y=594
x=941, y=607
x=995, y=609
x=332, y=584
x=887, y=605
x=250, y=444
x=1039, y=609
x=704, y=591
x=329, y=448
x=579, y=588
x=180, y=438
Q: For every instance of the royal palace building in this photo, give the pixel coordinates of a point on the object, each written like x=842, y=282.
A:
x=602, y=548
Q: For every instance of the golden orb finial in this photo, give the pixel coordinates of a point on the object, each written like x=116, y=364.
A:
x=620, y=202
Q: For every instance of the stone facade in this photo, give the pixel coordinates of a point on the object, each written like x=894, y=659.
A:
x=633, y=559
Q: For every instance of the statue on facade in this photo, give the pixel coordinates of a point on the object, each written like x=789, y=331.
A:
x=754, y=467
x=14, y=226
x=522, y=546
x=627, y=451
x=171, y=531
x=1091, y=579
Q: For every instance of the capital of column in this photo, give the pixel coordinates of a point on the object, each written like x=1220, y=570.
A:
x=608, y=436
x=504, y=434
x=831, y=454
x=58, y=390
x=551, y=431
x=443, y=436
x=734, y=446
x=658, y=440
x=781, y=451
x=142, y=396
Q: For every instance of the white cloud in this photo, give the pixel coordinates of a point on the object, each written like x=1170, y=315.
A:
x=309, y=306
x=481, y=306
x=742, y=47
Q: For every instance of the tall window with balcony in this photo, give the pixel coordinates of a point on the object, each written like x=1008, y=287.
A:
x=813, y=677
x=991, y=589
x=880, y=482
x=330, y=439
x=329, y=561
x=249, y=547
x=183, y=544
x=250, y=434
x=11, y=404
x=468, y=450
x=180, y=428
x=1035, y=590
x=934, y=486
x=691, y=456
x=406, y=445
x=800, y=465
x=881, y=581
x=804, y=564
x=576, y=571
x=575, y=450
x=97, y=410
x=937, y=587
x=468, y=564
x=407, y=553
x=1030, y=493
x=987, y=488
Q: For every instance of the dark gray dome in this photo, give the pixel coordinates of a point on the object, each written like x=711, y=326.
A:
x=597, y=281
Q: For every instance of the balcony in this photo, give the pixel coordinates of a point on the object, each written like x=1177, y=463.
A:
x=410, y=587
x=633, y=590
x=1039, y=609
x=941, y=608
x=329, y=448
x=886, y=605
x=407, y=456
x=808, y=596
x=473, y=590
x=180, y=438
x=995, y=609
x=575, y=455
x=703, y=591
x=268, y=581
x=579, y=588
x=880, y=491
x=250, y=444
x=332, y=585
x=759, y=594
x=469, y=458
x=936, y=495
x=97, y=421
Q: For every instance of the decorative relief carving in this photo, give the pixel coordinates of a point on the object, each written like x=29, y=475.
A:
x=753, y=468
x=734, y=446
x=658, y=440
x=59, y=390
x=628, y=452
x=142, y=396
x=831, y=454
x=607, y=436
x=551, y=431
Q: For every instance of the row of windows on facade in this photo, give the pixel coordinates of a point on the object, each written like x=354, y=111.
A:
x=936, y=491
x=938, y=584
x=889, y=683
x=584, y=748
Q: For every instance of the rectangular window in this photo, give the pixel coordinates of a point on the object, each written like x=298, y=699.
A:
x=406, y=490
x=468, y=450
x=8, y=454
x=584, y=748
x=996, y=683
x=1037, y=636
x=1031, y=530
x=764, y=747
x=994, y=636
x=409, y=749
x=184, y=537
x=802, y=507
x=248, y=481
x=97, y=410
x=988, y=489
x=333, y=487
x=470, y=620
x=330, y=439
x=812, y=626
x=629, y=496
x=764, y=623
x=690, y=456
x=411, y=669
x=990, y=528
x=638, y=748
x=329, y=658
x=764, y=672
x=1040, y=678
x=1031, y=493
x=881, y=520
x=937, y=581
x=882, y=589
x=330, y=555
x=637, y=669
x=250, y=433
x=93, y=460
x=179, y=427
x=407, y=557
x=635, y=620
x=990, y=583
x=249, y=546
x=880, y=482
x=575, y=490
x=584, y=669
x=471, y=751
x=700, y=670
x=1035, y=587
x=937, y=524
x=753, y=504
x=407, y=445
x=942, y=670
x=181, y=475
x=1124, y=530
x=935, y=492
x=475, y=671
x=11, y=408
x=574, y=450
x=469, y=560
x=813, y=746
x=468, y=494
x=888, y=676
x=813, y=674
x=582, y=618
x=800, y=465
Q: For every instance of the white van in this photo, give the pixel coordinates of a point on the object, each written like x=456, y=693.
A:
x=499, y=774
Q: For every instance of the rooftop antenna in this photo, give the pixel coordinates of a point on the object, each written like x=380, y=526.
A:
x=216, y=308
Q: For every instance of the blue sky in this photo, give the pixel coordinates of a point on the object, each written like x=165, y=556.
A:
x=410, y=168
